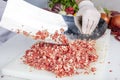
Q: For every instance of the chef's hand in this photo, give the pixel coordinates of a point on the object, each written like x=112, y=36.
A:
x=90, y=17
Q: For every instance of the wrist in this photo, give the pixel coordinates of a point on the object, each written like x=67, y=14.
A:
x=85, y=3
x=78, y=1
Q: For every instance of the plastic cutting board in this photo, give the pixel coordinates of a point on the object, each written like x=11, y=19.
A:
x=18, y=45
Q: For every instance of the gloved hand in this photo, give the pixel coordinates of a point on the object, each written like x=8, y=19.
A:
x=90, y=17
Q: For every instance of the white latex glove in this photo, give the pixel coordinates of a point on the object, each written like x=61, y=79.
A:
x=90, y=17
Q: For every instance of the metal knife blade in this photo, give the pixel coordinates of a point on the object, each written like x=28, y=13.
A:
x=74, y=33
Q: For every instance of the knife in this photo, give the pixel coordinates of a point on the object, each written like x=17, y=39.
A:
x=74, y=33
x=30, y=18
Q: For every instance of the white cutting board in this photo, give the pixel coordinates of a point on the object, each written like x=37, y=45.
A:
x=15, y=68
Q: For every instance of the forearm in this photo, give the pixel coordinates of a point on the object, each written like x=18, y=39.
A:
x=78, y=1
x=82, y=3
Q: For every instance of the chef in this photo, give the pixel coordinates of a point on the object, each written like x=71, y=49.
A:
x=90, y=19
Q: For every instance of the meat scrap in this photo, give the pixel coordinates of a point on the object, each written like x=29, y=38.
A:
x=62, y=60
x=41, y=35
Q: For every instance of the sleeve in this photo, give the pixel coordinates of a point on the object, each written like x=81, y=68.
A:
x=5, y=0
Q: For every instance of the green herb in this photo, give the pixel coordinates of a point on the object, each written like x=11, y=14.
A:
x=65, y=4
x=106, y=11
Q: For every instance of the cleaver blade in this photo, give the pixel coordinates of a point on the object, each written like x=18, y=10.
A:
x=74, y=33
